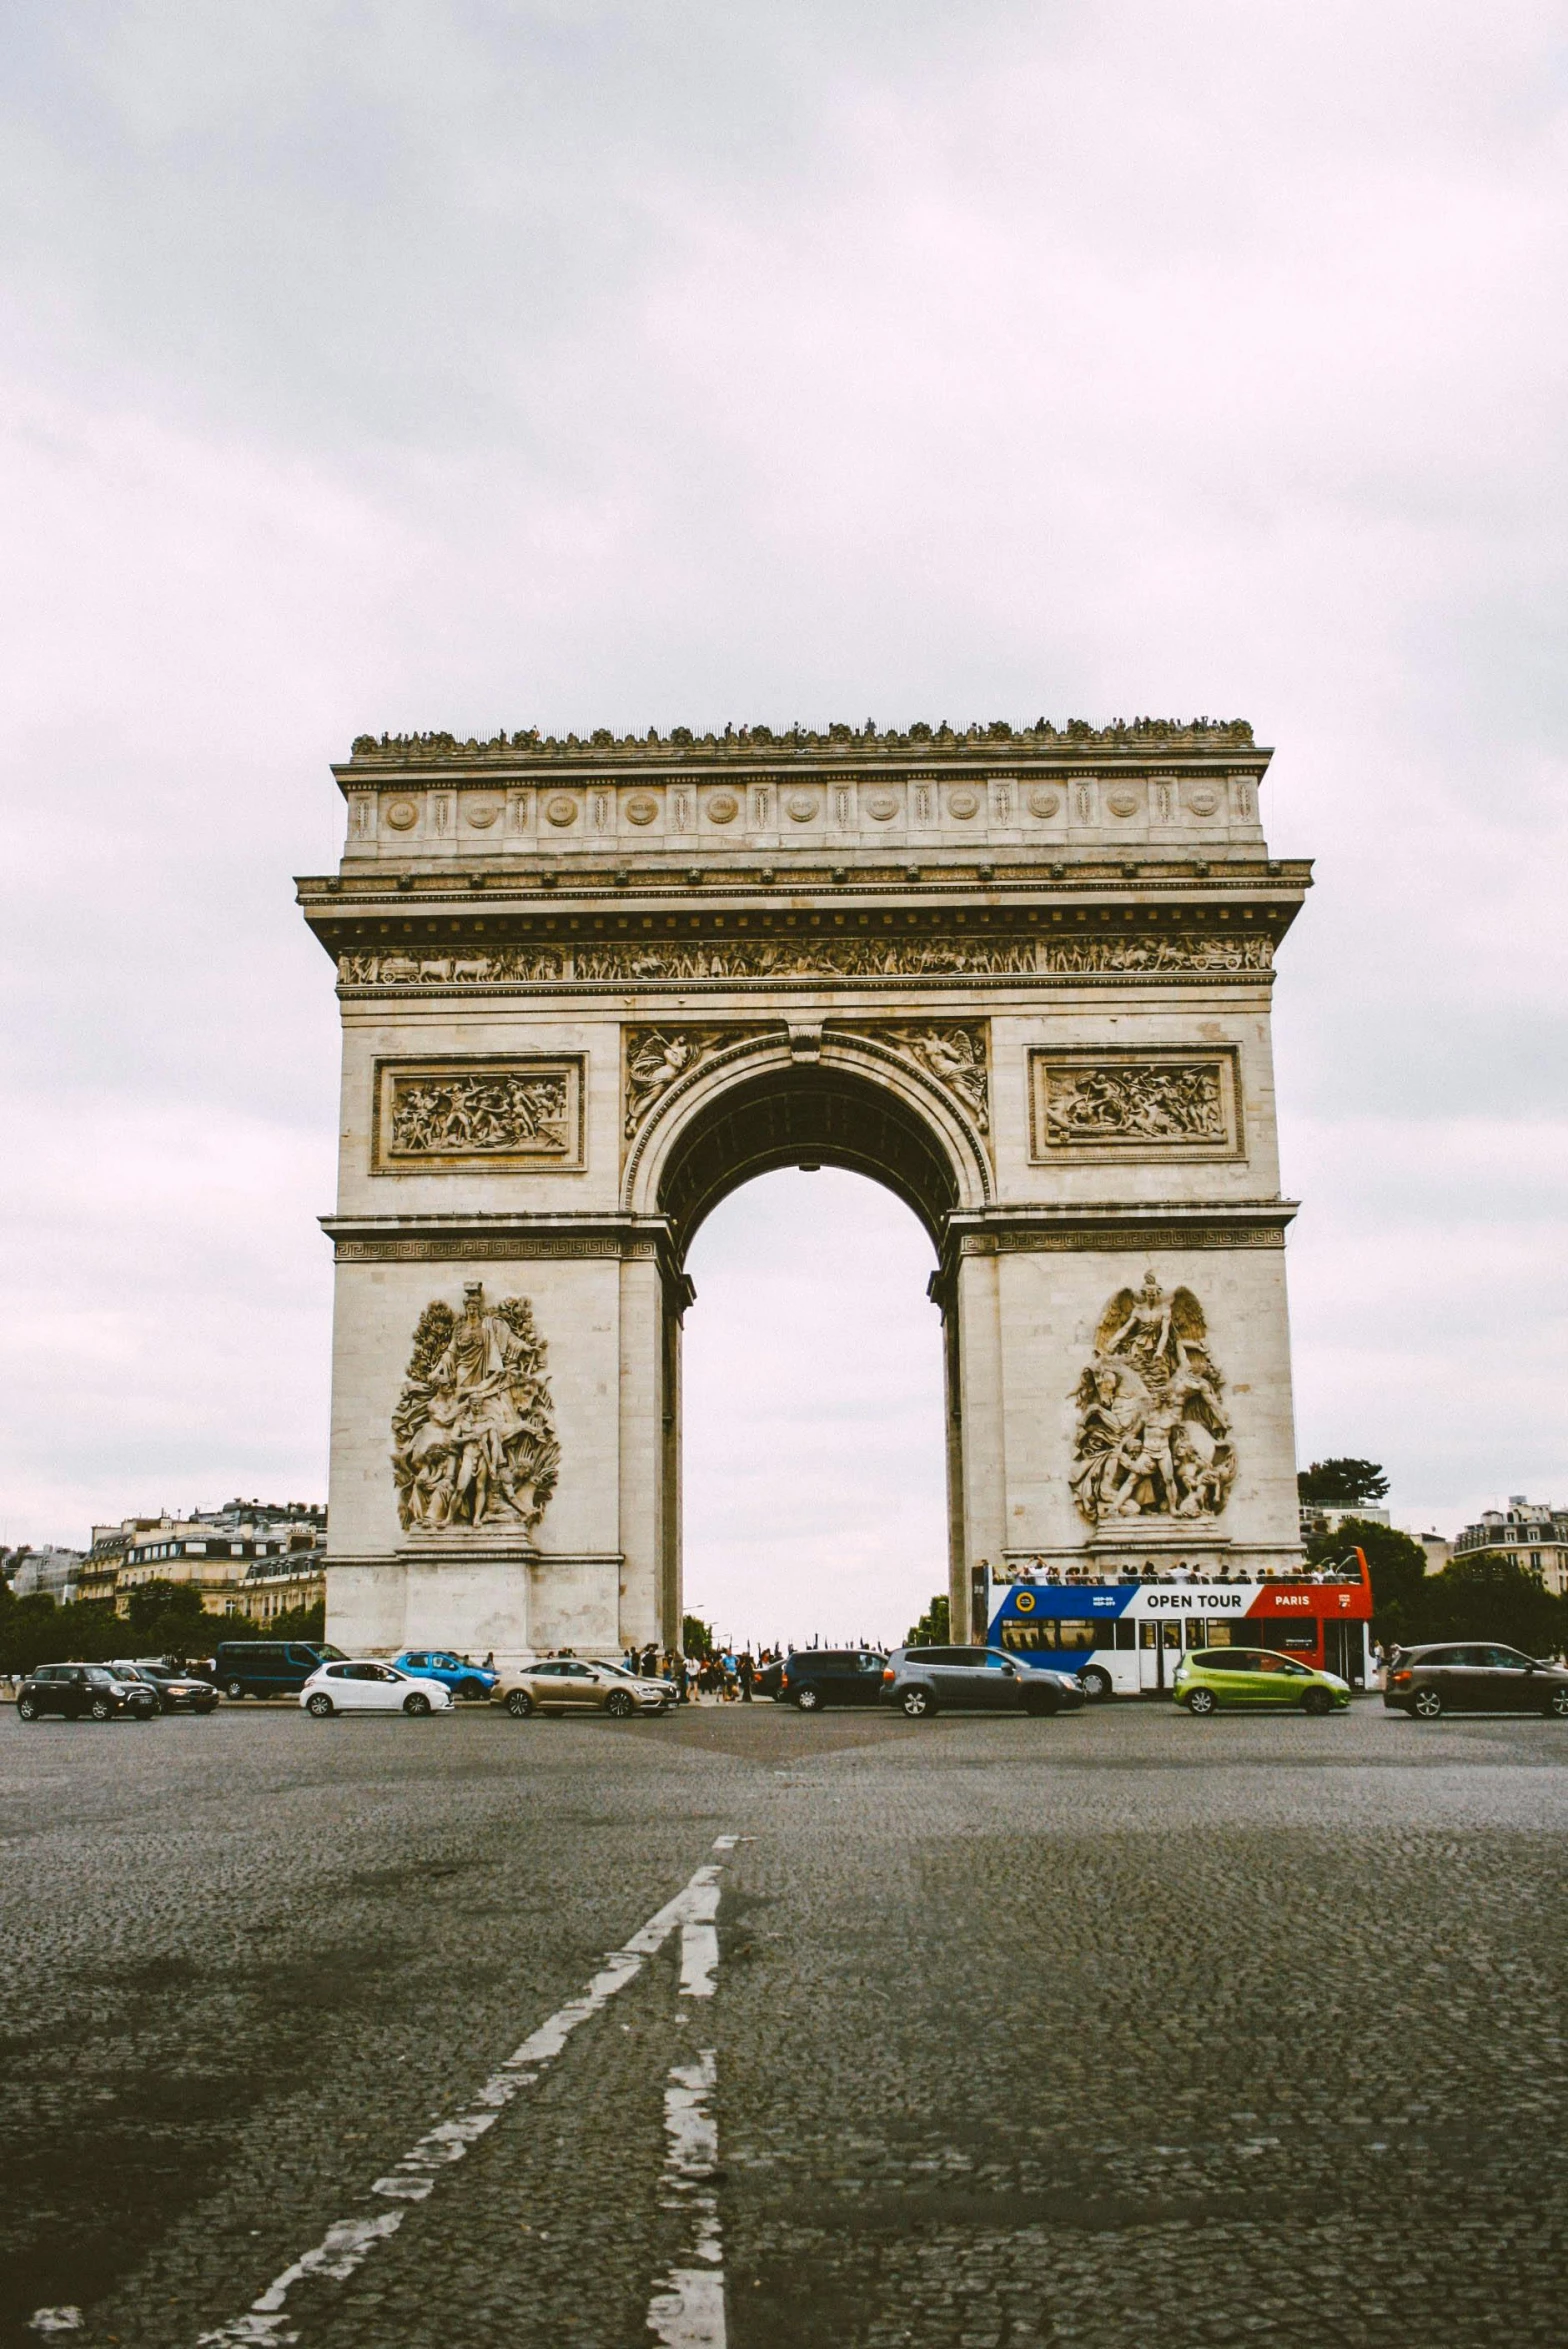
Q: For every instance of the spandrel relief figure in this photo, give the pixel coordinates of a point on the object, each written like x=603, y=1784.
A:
x=473, y=1430
x=1153, y=1437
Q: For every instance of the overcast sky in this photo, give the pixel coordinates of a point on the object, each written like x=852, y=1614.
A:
x=475, y=365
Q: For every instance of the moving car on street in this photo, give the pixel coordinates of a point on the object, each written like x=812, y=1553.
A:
x=813, y=1677
x=573, y=1684
x=176, y=1692
x=83, y=1692
x=268, y=1667
x=1474, y=1677
x=1207, y=1678
x=366, y=1685
x=469, y=1682
x=920, y=1681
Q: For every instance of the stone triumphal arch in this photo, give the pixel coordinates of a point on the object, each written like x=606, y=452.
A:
x=588, y=987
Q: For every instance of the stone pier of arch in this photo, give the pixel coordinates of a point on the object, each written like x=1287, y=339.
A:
x=1022, y=978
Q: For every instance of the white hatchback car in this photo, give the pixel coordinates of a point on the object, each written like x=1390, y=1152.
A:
x=362, y=1686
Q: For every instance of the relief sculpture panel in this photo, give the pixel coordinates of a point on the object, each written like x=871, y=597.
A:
x=473, y=1432
x=1109, y=1104
x=951, y=1052
x=1153, y=1437
x=444, y=1116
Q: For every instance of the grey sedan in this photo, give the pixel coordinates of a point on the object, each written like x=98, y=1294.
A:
x=976, y=1680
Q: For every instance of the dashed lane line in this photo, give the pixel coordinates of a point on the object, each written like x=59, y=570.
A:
x=345, y=2247
x=688, y=2312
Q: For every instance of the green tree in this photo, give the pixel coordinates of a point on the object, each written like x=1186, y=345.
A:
x=696, y=1636
x=1488, y=1597
x=1398, y=1569
x=35, y=1631
x=932, y=1631
x=1340, y=1484
x=306, y=1623
x=167, y=1619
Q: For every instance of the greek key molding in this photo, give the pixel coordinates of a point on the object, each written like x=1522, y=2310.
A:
x=1129, y=1240
x=510, y=1248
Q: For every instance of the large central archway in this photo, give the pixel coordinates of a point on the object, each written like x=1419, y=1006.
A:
x=825, y=1099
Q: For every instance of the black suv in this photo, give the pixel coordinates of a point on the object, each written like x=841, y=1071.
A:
x=1472, y=1676
x=814, y=1677
x=269, y=1667
x=83, y=1691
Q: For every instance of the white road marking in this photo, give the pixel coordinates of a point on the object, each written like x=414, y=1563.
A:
x=55, y=2320
x=689, y=2312
x=348, y=2244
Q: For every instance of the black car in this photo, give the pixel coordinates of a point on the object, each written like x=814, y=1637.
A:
x=176, y=1692
x=1472, y=1676
x=77, y=1692
x=269, y=1667
x=814, y=1677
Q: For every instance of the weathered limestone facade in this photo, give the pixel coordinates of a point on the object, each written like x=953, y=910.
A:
x=1022, y=978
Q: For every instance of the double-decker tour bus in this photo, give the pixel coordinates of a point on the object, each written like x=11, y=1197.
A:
x=1125, y=1638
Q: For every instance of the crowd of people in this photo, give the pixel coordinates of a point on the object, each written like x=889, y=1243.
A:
x=725, y=1677
x=1050, y=1577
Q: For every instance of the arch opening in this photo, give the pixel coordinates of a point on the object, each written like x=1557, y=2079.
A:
x=805, y=1115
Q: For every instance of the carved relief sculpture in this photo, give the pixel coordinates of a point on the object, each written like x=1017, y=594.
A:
x=952, y=1053
x=1154, y=1438
x=480, y=1115
x=657, y=1057
x=1147, y=1101
x=792, y=958
x=473, y=1434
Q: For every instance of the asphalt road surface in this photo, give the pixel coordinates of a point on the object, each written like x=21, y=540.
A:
x=739, y=2028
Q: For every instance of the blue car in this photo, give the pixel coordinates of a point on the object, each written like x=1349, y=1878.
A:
x=464, y=1680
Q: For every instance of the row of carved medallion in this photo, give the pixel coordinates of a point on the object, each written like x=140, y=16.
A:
x=806, y=958
x=474, y=1439
x=526, y=1112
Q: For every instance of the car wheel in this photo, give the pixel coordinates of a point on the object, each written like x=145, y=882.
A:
x=1096, y=1685
x=1201, y=1702
x=320, y=1704
x=916, y=1703
x=1557, y=1705
x=235, y=1689
x=1039, y=1708
x=101, y=1709
x=473, y=1691
x=1316, y=1703
x=26, y=1709
x=519, y=1704
x=618, y=1704
x=808, y=1700
x=415, y=1705
x=1427, y=1705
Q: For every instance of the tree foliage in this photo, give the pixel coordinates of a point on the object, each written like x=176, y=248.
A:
x=1484, y=1597
x=1341, y=1483
x=1398, y=1569
x=696, y=1636
x=932, y=1631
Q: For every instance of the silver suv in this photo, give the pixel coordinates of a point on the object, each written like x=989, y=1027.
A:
x=973, y=1680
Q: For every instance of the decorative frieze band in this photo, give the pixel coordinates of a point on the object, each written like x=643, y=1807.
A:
x=727, y=961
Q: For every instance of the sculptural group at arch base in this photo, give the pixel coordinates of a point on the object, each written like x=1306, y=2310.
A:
x=1023, y=977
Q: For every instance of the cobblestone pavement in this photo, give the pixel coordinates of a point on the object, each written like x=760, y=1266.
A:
x=1115, y=2031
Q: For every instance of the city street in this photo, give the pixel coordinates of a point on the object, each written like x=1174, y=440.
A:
x=1115, y=2030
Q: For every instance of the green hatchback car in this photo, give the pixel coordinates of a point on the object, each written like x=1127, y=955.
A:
x=1207, y=1678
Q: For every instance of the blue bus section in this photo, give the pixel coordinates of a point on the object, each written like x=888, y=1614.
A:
x=1126, y=1638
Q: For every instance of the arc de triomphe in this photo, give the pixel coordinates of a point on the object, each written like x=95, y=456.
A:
x=1020, y=977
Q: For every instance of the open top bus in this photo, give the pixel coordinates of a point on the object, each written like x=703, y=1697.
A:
x=1125, y=1637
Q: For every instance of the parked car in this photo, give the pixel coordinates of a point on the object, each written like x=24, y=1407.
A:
x=1207, y=1678
x=1472, y=1677
x=765, y=1682
x=472, y=1681
x=177, y=1692
x=93, y=1692
x=813, y=1677
x=920, y=1681
x=366, y=1685
x=573, y=1684
x=268, y=1667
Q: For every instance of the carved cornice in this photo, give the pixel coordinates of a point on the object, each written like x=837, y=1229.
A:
x=1144, y=738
